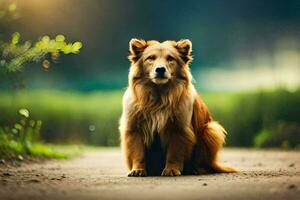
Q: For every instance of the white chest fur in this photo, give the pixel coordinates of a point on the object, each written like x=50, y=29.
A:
x=155, y=123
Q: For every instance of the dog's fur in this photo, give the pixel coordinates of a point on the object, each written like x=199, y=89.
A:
x=165, y=126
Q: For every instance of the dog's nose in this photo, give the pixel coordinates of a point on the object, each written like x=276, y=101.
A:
x=160, y=70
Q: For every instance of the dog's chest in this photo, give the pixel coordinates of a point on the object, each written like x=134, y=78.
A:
x=158, y=120
x=155, y=123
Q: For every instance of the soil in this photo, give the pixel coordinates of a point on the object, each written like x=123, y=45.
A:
x=101, y=174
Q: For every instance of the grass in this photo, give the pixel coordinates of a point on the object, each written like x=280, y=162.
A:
x=14, y=149
x=56, y=151
x=258, y=118
x=70, y=117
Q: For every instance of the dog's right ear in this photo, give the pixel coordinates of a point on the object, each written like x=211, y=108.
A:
x=184, y=48
x=136, y=48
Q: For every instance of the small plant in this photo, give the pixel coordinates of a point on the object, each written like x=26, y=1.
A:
x=20, y=136
x=22, y=139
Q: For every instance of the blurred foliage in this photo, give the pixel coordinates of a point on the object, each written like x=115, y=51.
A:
x=21, y=135
x=261, y=119
x=56, y=151
x=285, y=135
x=70, y=117
x=15, y=54
x=23, y=138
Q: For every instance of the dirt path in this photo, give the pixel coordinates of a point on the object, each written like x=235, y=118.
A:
x=100, y=174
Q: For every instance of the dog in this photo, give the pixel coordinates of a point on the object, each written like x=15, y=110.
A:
x=165, y=127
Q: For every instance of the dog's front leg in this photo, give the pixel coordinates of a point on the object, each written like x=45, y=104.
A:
x=134, y=149
x=179, y=150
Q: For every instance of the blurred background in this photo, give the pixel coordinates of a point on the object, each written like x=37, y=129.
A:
x=246, y=65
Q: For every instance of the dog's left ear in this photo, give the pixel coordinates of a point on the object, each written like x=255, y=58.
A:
x=136, y=48
x=184, y=48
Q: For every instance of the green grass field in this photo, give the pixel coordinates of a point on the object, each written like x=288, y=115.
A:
x=261, y=119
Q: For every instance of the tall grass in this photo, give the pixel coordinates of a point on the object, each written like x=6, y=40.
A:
x=252, y=119
x=68, y=117
x=261, y=119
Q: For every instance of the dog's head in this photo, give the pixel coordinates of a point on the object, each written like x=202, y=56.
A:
x=160, y=63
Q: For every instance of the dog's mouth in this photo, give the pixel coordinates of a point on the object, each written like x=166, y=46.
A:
x=160, y=80
x=160, y=77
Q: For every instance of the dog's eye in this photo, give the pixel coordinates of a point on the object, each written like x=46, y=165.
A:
x=170, y=58
x=151, y=58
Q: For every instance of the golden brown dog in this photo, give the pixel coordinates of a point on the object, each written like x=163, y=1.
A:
x=165, y=126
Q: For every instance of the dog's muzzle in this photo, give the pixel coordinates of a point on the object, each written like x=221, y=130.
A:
x=160, y=72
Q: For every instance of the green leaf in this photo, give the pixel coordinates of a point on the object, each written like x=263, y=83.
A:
x=18, y=126
x=14, y=131
x=60, y=38
x=67, y=49
x=76, y=47
x=45, y=39
x=24, y=112
x=15, y=38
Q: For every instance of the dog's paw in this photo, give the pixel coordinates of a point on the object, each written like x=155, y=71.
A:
x=137, y=172
x=171, y=172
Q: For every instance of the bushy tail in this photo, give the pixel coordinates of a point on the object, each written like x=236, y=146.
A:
x=210, y=139
x=213, y=138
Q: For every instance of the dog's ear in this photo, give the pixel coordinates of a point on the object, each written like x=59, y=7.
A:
x=184, y=48
x=136, y=48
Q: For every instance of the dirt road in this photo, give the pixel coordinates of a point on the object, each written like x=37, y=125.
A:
x=100, y=174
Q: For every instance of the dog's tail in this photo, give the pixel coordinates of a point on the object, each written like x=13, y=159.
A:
x=210, y=139
x=213, y=139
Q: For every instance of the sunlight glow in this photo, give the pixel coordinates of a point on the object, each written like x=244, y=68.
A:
x=282, y=69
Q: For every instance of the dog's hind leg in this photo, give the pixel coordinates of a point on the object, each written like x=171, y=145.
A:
x=210, y=137
x=209, y=143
